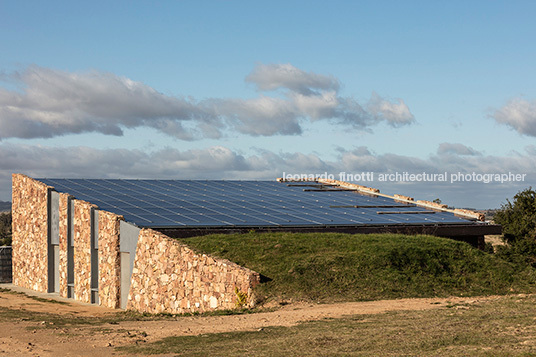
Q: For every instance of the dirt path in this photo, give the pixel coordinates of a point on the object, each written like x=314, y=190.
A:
x=288, y=315
x=20, y=336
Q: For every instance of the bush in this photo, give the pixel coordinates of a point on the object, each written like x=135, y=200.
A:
x=518, y=219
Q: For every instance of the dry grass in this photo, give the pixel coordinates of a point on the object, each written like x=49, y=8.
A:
x=503, y=327
x=495, y=326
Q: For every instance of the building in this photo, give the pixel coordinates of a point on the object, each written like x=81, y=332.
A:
x=110, y=242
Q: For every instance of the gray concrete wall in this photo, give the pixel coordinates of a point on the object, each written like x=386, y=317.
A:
x=53, y=242
x=94, y=256
x=128, y=240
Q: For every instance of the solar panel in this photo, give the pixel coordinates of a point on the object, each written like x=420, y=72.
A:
x=198, y=203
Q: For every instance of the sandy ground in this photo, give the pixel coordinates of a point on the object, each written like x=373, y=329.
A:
x=28, y=338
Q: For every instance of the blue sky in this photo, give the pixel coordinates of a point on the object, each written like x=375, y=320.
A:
x=242, y=90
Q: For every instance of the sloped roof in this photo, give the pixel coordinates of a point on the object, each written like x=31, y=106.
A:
x=267, y=204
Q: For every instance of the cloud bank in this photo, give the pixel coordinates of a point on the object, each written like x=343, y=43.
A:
x=457, y=149
x=219, y=162
x=49, y=103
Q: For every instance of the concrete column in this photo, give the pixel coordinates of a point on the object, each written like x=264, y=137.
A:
x=53, y=241
x=128, y=241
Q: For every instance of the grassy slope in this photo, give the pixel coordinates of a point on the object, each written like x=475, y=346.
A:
x=340, y=267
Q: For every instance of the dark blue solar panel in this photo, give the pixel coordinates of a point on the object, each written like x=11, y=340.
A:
x=191, y=203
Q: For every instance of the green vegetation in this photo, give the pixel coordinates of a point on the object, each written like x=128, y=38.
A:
x=502, y=327
x=5, y=228
x=518, y=219
x=329, y=267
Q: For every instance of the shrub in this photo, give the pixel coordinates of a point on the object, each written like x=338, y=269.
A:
x=518, y=219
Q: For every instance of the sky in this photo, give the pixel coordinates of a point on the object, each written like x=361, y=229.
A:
x=431, y=99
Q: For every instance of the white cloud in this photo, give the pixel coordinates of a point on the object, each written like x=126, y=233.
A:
x=395, y=113
x=269, y=77
x=519, y=114
x=320, y=106
x=51, y=103
x=258, y=116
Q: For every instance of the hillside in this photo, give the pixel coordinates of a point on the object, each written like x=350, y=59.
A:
x=5, y=206
x=332, y=267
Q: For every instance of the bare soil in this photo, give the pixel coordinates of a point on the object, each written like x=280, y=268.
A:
x=22, y=336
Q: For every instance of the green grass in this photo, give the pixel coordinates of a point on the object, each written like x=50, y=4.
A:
x=504, y=327
x=329, y=267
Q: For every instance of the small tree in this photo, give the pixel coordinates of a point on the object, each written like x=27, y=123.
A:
x=518, y=219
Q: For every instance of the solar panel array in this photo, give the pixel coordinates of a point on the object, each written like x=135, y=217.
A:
x=196, y=203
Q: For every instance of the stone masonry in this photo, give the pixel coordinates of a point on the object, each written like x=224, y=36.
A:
x=82, y=250
x=63, y=217
x=109, y=260
x=30, y=233
x=170, y=277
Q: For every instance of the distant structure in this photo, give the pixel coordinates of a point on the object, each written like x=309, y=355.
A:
x=5, y=264
x=110, y=242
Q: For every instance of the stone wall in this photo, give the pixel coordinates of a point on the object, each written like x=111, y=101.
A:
x=109, y=270
x=82, y=250
x=167, y=276
x=30, y=233
x=63, y=234
x=170, y=277
x=109, y=260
